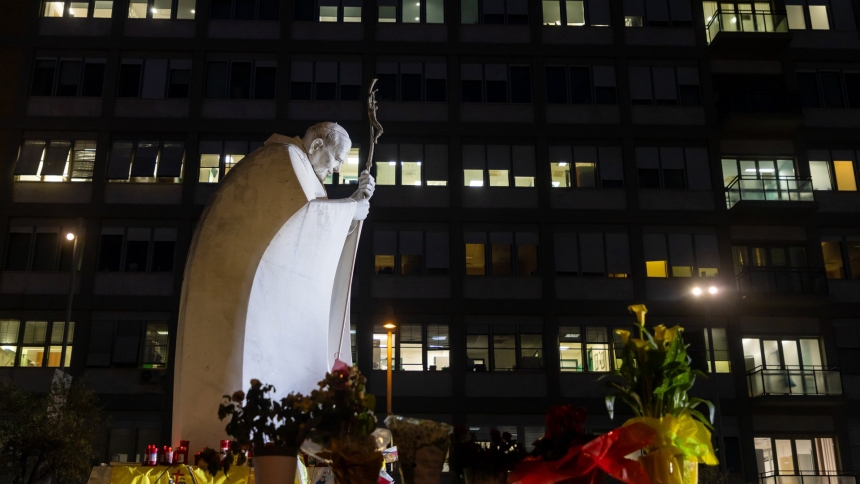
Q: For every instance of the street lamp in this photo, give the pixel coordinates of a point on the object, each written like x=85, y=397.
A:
x=390, y=326
x=72, y=237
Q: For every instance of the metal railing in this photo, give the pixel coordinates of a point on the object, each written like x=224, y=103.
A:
x=807, y=477
x=782, y=280
x=769, y=189
x=756, y=102
x=794, y=380
x=746, y=21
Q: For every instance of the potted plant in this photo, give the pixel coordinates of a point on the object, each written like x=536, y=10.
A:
x=272, y=430
x=345, y=423
x=655, y=378
x=487, y=463
x=421, y=448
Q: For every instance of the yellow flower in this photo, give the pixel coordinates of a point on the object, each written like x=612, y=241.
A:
x=625, y=335
x=687, y=437
x=640, y=311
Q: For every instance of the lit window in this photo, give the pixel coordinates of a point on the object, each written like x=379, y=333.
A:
x=818, y=17
x=40, y=344
x=796, y=18
x=156, y=339
x=716, y=340
x=161, y=9
x=844, y=174
x=681, y=255
x=56, y=161
x=128, y=343
x=833, y=264
x=841, y=257
x=504, y=347
x=509, y=254
x=410, y=252
x=78, y=8
x=380, y=348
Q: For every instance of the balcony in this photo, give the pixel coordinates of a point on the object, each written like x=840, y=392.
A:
x=782, y=280
x=732, y=30
x=794, y=380
x=807, y=477
x=745, y=110
x=770, y=192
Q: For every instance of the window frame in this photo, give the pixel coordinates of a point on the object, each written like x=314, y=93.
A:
x=424, y=163
x=846, y=272
x=490, y=330
x=679, y=97
x=508, y=84
x=830, y=159
x=124, y=250
x=314, y=6
x=670, y=22
x=398, y=261
x=661, y=170
x=174, y=11
x=696, y=267
x=339, y=85
x=398, y=15
x=141, y=346
x=593, y=87
x=398, y=77
x=849, y=100
x=67, y=5
x=606, y=255
x=66, y=343
x=31, y=252
x=583, y=344
x=134, y=153
x=426, y=347
x=257, y=10
x=602, y=156
x=222, y=167
x=793, y=437
x=55, y=81
x=512, y=176
x=481, y=20
x=70, y=164
x=514, y=246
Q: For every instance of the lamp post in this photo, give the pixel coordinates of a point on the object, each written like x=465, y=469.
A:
x=72, y=237
x=389, y=325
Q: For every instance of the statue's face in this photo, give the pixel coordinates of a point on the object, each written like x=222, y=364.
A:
x=324, y=159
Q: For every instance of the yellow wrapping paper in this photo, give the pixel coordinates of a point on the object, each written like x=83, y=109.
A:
x=180, y=474
x=681, y=444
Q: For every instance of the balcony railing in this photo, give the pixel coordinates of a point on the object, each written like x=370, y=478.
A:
x=746, y=21
x=769, y=189
x=782, y=280
x=794, y=380
x=759, y=102
x=807, y=477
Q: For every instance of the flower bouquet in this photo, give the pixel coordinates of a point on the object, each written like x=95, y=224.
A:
x=567, y=454
x=655, y=377
x=481, y=462
x=421, y=447
x=345, y=426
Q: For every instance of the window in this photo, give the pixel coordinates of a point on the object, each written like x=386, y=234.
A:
x=328, y=10
x=583, y=348
x=218, y=157
x=56, y=160
x=411, y=81
x=161, y=9
x=410, y=253
x=762, y=179
x=506, y=254
x=498, y=166
x=592, y=254
x=245, y=10
x=681, y=255
x=347, y=174
x=717, y=350
x=802, y=16
x=841, y=256
x=40, y=249
x=664, y=86
x=586, y=167
x=412, y=12
x=28, y=344
x=154, y=78
x=580, y=85
x=136, y=250
x=325, y=81
x=417, y=347
x=504, y=347
x=511, y=12
x=657, y=13
x=575, y=13
x=829, y=89
x=673, y=168
x=78, y=8
x=812, y=456
x=495, y=83
x=68, y=77
x=411, y=164
x=833, y=169
x=784, y=354
x=143, y=344
x=240, y=79
x=146, y=161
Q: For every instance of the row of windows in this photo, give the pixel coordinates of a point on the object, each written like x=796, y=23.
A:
x=637, y=13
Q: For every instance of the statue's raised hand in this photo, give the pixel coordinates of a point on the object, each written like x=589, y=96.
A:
x=366, y=186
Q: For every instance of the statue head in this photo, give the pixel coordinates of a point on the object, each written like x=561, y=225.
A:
x=327, y=145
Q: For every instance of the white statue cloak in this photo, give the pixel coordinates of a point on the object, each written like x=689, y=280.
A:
x=265, y=290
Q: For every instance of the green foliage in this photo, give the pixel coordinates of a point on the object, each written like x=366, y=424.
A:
x=655, y=374
x=51, y=433
x=342, y=407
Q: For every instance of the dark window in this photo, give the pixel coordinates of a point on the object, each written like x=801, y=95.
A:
x=673, y=178
x=521, y=84
x=807, y=83
x=269, y=9
x=326, y=91
x=300, y=91
x=410, y=87
x=179, y=84
x=556, y=85
x=580, y=85
x=240, y=80
x=245, y=9
x=45, y=252
x=70, y=77
x=126, y=344
x=689, y=95
x=129, y=80
x=94, y=79
x=162, y=255
x=471, y=91
x=387, y=85
x=110, y=253
x=264, y=84
x=350, y=93
x=304, y=10
x=831, y=88
x=221, y=9
x=136, y=253
x=497, y=91
x=18, y=251
x=649, y=178
x=43, y=78
x=216, y=80
x=852, y=88
x=605, y=95
x=435, y=90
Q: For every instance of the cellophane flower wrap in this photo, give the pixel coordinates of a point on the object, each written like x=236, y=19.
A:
x=567, y=454
x=655, y=376
x=421, y=448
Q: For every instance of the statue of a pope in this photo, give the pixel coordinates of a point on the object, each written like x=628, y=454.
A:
x=266, y=286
